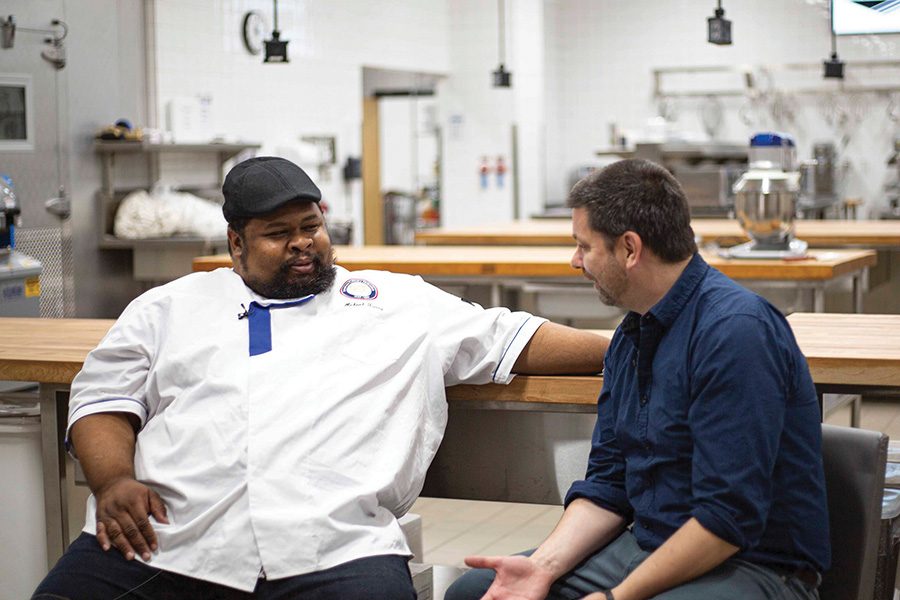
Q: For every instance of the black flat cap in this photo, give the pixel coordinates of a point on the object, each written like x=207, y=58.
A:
x=260, y=185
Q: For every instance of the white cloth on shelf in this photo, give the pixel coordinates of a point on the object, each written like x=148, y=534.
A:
x=164, y=212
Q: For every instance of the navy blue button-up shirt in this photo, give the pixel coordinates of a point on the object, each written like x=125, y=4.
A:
x=708, y=410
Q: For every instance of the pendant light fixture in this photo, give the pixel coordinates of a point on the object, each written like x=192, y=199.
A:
x=834, y=68
x=718, y=28
x=276, y=48
x=501, y=77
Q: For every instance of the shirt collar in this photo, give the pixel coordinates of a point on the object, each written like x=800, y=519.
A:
x=667, y=310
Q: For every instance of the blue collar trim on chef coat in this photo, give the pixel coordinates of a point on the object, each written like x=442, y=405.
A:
x=260, y=321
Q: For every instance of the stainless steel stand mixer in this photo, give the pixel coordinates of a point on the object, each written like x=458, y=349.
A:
x=765, y=200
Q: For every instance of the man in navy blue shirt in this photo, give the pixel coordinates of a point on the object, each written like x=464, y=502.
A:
x=705, y=477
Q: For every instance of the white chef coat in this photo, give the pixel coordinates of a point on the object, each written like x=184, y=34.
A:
x=299, y=457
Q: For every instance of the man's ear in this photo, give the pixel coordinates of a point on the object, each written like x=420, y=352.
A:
x=235, y=244
x=632, y=247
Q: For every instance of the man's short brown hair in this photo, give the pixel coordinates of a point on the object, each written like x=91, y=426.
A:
x=640, y=196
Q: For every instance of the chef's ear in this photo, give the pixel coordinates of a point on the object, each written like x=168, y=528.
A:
x=235, y=243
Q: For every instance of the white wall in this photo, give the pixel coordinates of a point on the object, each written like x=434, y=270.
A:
x=199, y=52
x=578, y=65
x=529, y=48
x=478, y=118
x=319, y=92
x=605, y=51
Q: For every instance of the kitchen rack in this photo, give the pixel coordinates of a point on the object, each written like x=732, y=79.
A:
x=156, y=259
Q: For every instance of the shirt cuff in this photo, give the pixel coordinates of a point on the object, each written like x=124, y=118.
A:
x=503, y=373
x=720, y=526
x=604, y=496
x=118, y=404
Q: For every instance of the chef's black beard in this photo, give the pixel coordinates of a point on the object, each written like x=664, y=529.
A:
x=286, y=284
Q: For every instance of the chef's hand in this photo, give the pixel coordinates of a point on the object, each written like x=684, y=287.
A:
x=124, y=507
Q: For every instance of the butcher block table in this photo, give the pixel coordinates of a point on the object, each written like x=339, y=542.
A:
x=724, y=232
x=513, y=266
x=846, y=353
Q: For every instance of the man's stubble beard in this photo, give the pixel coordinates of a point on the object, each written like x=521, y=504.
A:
x=615, y=284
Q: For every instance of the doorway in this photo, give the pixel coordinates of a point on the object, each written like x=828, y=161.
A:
x=402, y=155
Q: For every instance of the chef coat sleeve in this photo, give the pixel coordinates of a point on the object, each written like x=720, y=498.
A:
x=114, y=375
x=477, y=345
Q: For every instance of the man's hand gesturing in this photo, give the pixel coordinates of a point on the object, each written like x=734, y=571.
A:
x=518, y=577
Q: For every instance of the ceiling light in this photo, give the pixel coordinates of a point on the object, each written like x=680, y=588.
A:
x=718, y=27
x=834, y=68
x=501, y=77
x=276, y=48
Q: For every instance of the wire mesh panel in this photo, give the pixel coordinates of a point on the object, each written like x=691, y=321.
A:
x=52, y=246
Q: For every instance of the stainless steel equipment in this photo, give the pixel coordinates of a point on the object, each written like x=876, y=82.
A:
x=892, y=189
x=817, y=182
x=20, y=285
x=9, y=215
x=766, y=200
x=399, y=218
x=707, y=171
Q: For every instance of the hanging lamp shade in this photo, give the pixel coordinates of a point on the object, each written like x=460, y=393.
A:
x=501, y=78
x=276, y=48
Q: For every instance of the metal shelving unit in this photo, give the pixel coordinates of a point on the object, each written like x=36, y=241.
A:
x=750, y=79
x=155, y=259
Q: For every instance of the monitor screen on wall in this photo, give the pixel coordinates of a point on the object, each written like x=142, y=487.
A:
x=860, y=17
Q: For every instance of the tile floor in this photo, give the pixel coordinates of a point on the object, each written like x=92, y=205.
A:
x=453, y=529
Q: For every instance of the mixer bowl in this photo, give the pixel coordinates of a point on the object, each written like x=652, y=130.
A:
x=765, y=202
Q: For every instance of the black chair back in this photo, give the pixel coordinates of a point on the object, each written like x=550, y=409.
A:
x=854, y=461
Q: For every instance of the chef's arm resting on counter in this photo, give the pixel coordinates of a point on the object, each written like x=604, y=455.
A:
x=556, y=349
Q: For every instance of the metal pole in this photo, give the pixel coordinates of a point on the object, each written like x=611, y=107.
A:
x=514, y=171
x=501, y=30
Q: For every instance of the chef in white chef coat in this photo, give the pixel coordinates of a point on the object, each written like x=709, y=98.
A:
x=259, y=429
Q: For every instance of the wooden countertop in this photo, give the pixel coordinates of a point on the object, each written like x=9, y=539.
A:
x=553, y=261
x=842, y=349
x=850, y=349
x=47, y=350
x=726, y=232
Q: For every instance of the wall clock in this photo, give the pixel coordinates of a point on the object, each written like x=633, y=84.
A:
x=253, y=32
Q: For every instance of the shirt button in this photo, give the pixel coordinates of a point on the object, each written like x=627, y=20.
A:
x=644, y=398
x=634, y=362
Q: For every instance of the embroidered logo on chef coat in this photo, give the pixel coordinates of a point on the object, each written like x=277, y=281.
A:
x=359, y=289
